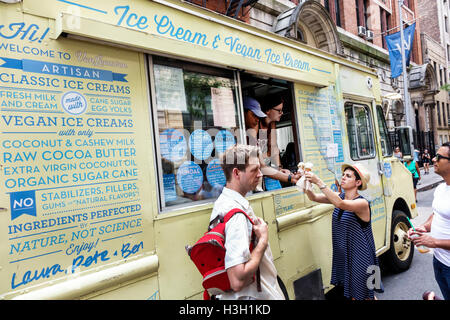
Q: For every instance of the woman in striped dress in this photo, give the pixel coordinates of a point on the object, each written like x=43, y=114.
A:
x=355, y=271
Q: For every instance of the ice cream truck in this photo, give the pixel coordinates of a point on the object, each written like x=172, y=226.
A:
x=113, y=118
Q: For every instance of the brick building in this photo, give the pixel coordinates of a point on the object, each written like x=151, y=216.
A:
x=356, y=29
x=434, y=16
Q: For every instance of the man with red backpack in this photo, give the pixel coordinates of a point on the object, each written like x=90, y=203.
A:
x=250, y=268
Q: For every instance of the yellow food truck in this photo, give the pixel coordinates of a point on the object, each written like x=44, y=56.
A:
x=113, y=116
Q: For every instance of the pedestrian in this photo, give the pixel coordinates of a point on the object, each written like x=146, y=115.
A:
x=413, y=167
x=241, y=165
x=426, y=160
x=352, y=238
x=417, y=157
x=435, y=232
x=253, y=116
x=397, y=153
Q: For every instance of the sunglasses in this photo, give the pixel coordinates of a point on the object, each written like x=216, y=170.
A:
x=439, y=157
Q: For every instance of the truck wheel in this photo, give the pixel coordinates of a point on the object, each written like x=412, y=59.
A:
x=401, y=252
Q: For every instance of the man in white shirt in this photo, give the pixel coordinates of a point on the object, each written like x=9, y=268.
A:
x=241, y=166
x=435, y=232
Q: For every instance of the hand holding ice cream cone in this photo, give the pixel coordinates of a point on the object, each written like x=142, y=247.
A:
x=304, y=168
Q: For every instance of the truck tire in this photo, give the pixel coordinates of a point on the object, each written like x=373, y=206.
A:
x=283, y=288
x=400, y=254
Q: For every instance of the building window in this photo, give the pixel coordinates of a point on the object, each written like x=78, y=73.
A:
x=384, y=19
x=338, y=12
x=448, y=115
x=358, y=20
x=333, y=9
x=360, y=131
x=443, y=115
x=438, y=110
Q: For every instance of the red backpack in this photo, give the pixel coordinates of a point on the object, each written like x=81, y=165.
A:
x=208, y=255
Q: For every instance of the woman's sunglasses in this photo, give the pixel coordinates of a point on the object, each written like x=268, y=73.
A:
x=439, y=157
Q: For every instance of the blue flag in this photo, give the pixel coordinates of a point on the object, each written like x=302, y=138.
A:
x=395, y=53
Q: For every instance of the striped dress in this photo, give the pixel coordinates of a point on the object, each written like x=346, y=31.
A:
x=353, y=254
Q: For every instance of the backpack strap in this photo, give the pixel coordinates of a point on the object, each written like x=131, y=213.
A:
x=227, y=217
x=232, y=212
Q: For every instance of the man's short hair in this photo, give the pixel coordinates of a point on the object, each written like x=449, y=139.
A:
x=447, y=144
x=237, y=156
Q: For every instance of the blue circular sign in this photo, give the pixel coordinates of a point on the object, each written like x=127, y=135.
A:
x=215, y=174
x=201, y=144
x=74, y=103
x=190, y=177
x=173, y=145
x=224, y=140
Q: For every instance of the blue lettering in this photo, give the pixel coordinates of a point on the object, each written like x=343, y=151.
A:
x=126, y=251
x=126, y=8
x=19, y=27
x=81, y=261
x=31, y=276
x=246, y=51
x=140, y=22
x=165, y=26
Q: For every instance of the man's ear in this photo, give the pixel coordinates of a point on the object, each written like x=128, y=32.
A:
x=235, y=173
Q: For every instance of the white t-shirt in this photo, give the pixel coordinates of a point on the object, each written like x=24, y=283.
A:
x=440, y=226
x=238, y=231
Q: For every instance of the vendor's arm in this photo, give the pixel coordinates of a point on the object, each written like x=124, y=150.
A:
x=277, y=174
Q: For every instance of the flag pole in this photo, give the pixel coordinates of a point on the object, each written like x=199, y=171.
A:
x=405, y=73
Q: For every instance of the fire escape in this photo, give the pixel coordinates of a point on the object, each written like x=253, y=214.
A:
x=233, y=7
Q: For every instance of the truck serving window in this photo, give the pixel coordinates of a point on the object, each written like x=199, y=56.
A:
x=360, y=131
x=384, y=136
x=276, y=133
x=196, y=119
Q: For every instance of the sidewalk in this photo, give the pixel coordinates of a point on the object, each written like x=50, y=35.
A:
x=428, y=181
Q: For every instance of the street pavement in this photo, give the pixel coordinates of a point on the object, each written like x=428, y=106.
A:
x=428, y=181
x=411, y=284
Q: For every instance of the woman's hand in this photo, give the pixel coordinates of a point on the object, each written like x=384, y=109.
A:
x=311, y=177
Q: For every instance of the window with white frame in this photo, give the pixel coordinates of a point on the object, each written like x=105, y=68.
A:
x=196, y=120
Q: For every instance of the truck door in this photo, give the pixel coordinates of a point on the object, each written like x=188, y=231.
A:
x=362, y=148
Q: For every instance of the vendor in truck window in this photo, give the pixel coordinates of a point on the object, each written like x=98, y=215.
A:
x=260, y=137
